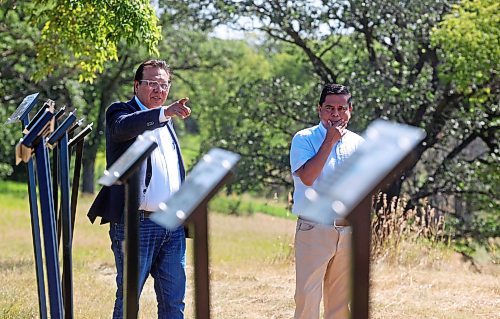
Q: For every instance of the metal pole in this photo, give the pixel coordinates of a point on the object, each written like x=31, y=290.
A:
x=361, y=236
x=76, y=181
x=131, y=266
x=201, y=278
x=35, y=234
x=79, y=142
x=49, y=230
x=55, y=189
x=67, y=231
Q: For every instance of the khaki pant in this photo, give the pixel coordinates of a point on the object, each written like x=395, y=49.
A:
x=322, y=264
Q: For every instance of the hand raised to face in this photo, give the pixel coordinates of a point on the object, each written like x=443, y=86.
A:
x=335, y=130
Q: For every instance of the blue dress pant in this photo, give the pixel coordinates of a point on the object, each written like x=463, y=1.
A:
x=163, y=255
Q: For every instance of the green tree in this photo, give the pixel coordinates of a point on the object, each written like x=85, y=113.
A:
x=184, y=49
x=83, y=35
x=47, y=45
x=383, y=51
x=468, y=37
x=195, y=61
x=16, y=71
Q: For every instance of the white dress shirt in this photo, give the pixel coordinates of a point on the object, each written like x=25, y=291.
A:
x=166, y=176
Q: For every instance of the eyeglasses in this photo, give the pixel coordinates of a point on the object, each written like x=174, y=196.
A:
x=156, y=85
x=339, y=108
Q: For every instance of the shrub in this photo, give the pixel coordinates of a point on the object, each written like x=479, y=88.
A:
x=392, y=226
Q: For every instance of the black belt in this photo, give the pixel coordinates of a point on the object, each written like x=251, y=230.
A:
x=145, y=213
x=339, y=222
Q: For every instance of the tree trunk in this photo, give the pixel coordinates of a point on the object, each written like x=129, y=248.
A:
x=90, y=153
x=88, y=176
x=108, y=86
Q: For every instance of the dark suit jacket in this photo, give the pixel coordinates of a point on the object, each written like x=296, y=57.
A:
x=124, y=122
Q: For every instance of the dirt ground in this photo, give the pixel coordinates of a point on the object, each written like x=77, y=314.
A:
x=264, y=288
x=252, y=275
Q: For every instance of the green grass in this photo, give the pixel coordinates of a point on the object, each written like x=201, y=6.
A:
x=231, y=243
x=14, y=189
x=240, y=205
x=244, y=205
x=190, y=145
x=251, y=268
x=14, y=198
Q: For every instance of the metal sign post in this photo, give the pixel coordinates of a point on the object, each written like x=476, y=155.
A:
x=189, y=206
x=55, y=171
x=46, y=105
x=346, y=193
x=69, y=133
x=78, y=140
x=60, y=137
x=36, y=139
x=22, y=114
x=125, y=171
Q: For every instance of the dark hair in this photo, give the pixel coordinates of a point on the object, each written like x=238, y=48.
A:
x=153, y=63
x=332, y=88
x=139, y=73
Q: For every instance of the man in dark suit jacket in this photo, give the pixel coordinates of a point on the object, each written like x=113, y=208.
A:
x=162, y=252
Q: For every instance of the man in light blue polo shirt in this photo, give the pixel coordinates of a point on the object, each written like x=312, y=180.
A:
x=322, y=252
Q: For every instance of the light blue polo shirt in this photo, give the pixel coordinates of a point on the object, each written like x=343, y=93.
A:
x=306, y=144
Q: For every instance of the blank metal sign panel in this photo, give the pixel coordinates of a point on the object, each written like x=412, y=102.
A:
x=204, y=177
x=121, y=168
x=23, y=108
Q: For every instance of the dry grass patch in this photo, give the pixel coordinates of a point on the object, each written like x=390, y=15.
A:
x=252, y=274
x=449, y=292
